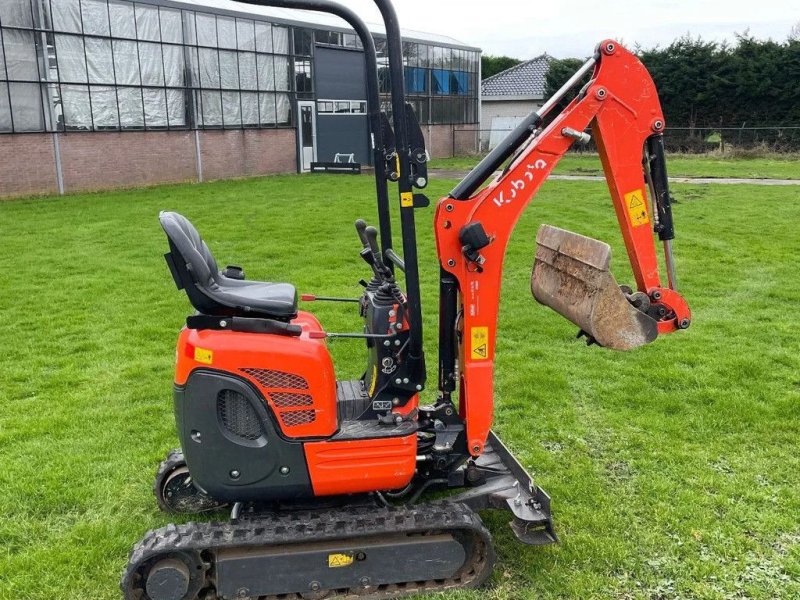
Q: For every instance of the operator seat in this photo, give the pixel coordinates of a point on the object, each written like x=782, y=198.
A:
x=216, y=293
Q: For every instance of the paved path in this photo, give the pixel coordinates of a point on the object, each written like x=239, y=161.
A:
x=460, y=174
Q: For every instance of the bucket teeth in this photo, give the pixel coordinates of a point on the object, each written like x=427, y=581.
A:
x=571, y=275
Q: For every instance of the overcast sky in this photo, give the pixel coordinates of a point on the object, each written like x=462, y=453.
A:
x=571, y=28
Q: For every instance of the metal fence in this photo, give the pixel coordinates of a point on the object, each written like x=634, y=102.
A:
x=469, y=141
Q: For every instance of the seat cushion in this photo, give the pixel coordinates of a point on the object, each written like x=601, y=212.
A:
x=272, y=299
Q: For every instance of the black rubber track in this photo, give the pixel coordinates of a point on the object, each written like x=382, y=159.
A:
x=195, y=543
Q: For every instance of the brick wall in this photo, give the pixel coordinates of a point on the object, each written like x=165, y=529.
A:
x=438, y=140
x=93, y=161
x=248, y=152
x=27, y=165
x=97, y=161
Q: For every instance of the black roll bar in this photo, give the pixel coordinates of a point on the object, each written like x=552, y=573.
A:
x=373, y=98
x=397, y=77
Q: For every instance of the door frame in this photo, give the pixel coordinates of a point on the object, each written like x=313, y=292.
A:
x=300, y=155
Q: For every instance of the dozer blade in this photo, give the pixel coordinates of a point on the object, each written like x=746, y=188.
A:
x=571, y=276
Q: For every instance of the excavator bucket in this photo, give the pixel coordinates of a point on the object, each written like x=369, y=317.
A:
x=571, y=275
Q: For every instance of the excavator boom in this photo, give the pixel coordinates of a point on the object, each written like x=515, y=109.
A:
x=620, y=106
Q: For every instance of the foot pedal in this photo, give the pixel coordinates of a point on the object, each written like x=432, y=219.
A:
x=571, y=275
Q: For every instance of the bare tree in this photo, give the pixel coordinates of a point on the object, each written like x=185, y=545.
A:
x=794, y=32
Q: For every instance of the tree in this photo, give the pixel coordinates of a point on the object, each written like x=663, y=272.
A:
x=492, y=65
x=557, y=75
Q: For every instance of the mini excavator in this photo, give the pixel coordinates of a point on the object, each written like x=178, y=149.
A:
x=368, y=488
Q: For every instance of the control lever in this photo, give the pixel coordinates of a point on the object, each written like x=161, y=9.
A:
x=361, y=226
x=367, y=254
x=372, y=241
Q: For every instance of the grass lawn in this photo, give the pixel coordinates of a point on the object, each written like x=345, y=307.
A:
x=775, y=167
x=674, y=469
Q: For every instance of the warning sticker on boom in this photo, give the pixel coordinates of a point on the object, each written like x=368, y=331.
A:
x=339, y=560
x=637, y=208
x=479, y=343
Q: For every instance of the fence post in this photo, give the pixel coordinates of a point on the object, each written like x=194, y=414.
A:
x=198, y=156
x=57, y=160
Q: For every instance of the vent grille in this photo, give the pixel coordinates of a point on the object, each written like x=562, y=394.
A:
x=237, y=415
x=297, y=417
x=288, y=400
x=277, y=379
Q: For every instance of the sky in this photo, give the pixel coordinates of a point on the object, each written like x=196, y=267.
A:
x=572, y=28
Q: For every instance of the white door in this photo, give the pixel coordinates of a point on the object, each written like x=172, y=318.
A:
x=307, y=134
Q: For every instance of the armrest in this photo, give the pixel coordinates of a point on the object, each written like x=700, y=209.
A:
x=234, y=272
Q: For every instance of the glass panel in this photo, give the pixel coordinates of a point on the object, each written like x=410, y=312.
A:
x=176, y=108
x=189, y=31
x=5, y=108
x=99, y=61
x=126, y=63
x=147, y=26
x=212, y=109
x=66, y=15
x=302, y=76
x=77, y=110
x=123, y=23
x=267, y=108
x=438, y=57
x=226, y=32
x=280, y=40
x=155, y=108
x=229, y=70
x=131, y=112
x=151, y=64
x=104, y=108
x=71, y=59
x=20, y=53
x=266, y=72
x=249, y=108
x=173, y=65
x=194, y=67
x=263, y=36
x=171, y=30
x=26, y=107
x=95, y=17
x=283, y=108
x=209, y=68
x=245, y=34
x=282, y=79
x=459, y=83
x=2, y=65
x=247, y=71
x=15, y=13
x=440, y=81
x=416, y=80
x=303, y=41
x=206, y=30
x=231, y=109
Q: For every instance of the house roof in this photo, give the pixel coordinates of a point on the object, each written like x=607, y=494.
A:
x=525, y=80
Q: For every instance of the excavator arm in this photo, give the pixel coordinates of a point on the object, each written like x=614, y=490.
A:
x=620, y=105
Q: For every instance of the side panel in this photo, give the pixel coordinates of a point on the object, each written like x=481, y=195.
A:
x=231, y=445
x=294, y=374
x=355, y=466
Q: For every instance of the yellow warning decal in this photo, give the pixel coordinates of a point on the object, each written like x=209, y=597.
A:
x=374, y=379
x=204, y=356
x=407, y=199
x=637, y=208
x=479, y=343
x=339, y=560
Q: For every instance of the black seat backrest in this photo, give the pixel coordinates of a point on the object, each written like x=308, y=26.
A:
x=192, y=265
